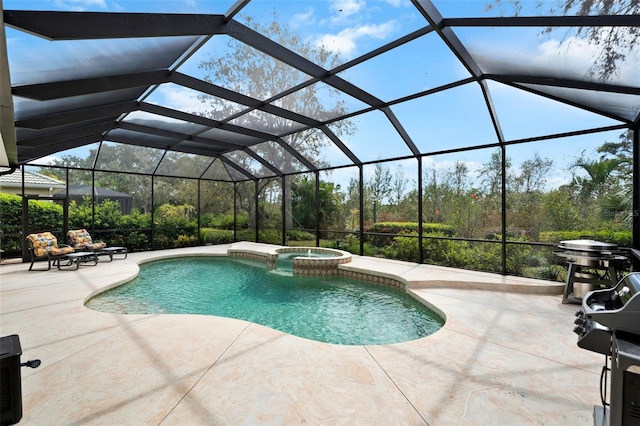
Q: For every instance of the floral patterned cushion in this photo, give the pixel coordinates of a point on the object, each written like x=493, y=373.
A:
x=81, y=239
x=45, y=243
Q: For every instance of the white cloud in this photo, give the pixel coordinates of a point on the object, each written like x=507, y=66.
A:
x=346, y=8
x=49, y=159
x=180, y=98
x=398, y=3
x=345, y=41
x=80, y=5
x=302, y=20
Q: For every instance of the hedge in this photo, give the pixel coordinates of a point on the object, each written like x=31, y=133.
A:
x=409, y=227
x=620, y=238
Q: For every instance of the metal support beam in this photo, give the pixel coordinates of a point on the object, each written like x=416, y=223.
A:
x=492, y=111
x=87, y=86
x=503, y=203
x=635, y=219
x=153, y=208
x=296, y=154
x=401, y=131
x=262, y=161
x=336, y=140
x=240, y=170
x=256, y=200
x=317, y=208
x=264, y=44
x=8, y=149
x=235, y=212
x=27, y=154
x=220, y=92
x=101, y=25
x=361, y=195
x=106, y=113
x=562, y=82
x=435, y=19
x=283, y=207
x=545, y=21
x=420, y=213
x=199, y=224
x=44, y=138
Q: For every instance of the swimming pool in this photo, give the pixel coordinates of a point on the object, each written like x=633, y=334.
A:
x=328, y=309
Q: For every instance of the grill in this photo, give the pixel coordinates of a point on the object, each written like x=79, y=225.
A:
x=591, y=265
x=609, y=324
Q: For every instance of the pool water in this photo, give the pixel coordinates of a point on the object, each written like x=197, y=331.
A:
x=333, y=309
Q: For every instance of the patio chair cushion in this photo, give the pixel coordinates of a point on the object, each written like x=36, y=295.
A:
x=46, y=244
x=81, y=239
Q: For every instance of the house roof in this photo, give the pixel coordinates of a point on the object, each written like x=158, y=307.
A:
x=31, y=180
x=86, y=190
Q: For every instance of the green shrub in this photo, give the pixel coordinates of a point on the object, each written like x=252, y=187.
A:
x=411, y=227
x=185, y=241
x=620, y=238
x=399, y=228
x=481, y=256
x=135, y=220
x=107, y=214
x=246, y=234
x=43, y=216
x=221, y=221
x=161, y=241
x=270, y=236
x=216, y=236
x=298, y=235
x=133, y=241
x=405, y=248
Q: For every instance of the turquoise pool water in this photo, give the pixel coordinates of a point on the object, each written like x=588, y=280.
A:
x=333, y=309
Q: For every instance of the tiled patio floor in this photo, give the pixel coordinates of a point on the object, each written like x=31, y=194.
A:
x=502, y=358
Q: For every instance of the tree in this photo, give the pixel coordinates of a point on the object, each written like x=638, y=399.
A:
x=491, y=174
x=379, y=185
x=597, y=182
x=304, y=205
x=434, y=197
x=618, y=205
x=533, y=174
x=249, y=71
x=351, y=197
x=623, y=151
x=399, y=185
x=560, y=212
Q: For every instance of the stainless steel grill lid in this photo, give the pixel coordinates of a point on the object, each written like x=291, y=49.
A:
x=588, y=246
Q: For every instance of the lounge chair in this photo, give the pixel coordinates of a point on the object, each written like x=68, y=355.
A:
x=44, y=245
x=81, y=240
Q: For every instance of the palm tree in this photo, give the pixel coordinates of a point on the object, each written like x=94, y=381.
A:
x=618, y=205
x=597, y=183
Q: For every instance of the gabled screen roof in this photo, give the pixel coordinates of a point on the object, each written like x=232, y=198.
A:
x=257, y=89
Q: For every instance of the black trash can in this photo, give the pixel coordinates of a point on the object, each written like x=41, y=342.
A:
x=10, y=380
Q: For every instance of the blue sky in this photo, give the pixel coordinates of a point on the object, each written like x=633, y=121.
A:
x=354, y=27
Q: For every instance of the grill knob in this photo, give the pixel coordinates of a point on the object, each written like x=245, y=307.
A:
x=580, y=321
x=579, y=330
x=580, y=313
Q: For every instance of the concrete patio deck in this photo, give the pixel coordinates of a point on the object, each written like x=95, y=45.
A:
x=504, y=357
